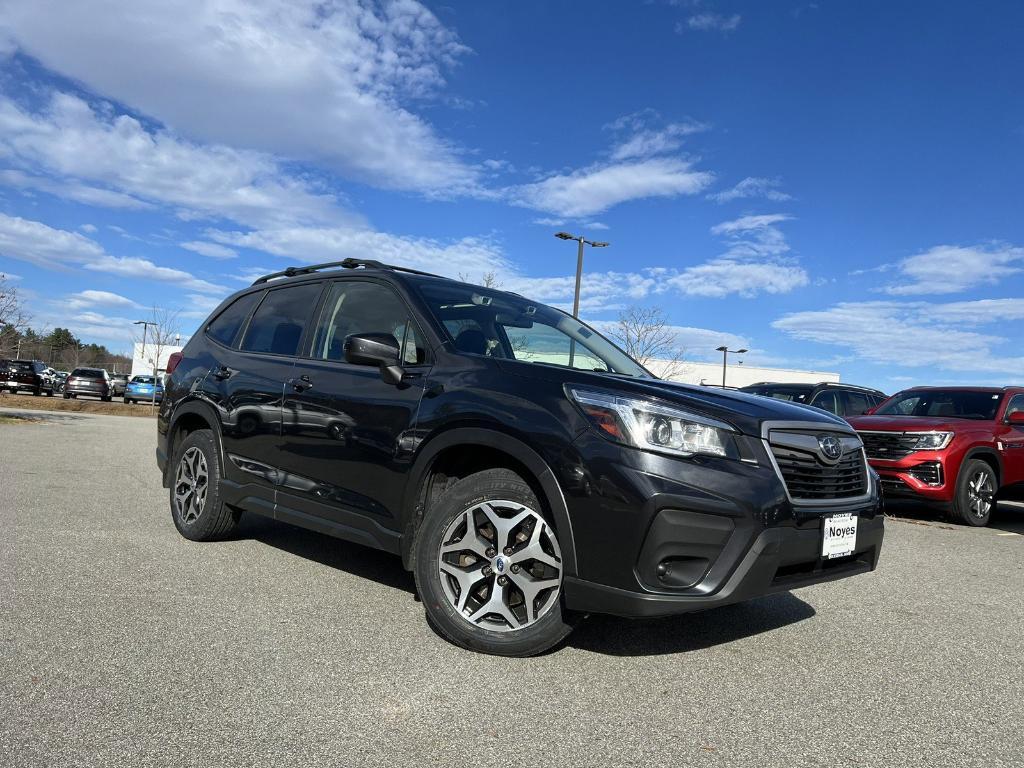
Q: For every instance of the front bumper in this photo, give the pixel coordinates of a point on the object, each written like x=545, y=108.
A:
x=923, y=476
x=780, y=559
x=655, y=535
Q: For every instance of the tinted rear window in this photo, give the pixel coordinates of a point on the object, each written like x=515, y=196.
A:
x=21, y=365
x=142, y=380
x=277, y=325
x=88, y=373
x=227, y=324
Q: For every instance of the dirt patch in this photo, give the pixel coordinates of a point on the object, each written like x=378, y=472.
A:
x=17, y=418
x=79, y=405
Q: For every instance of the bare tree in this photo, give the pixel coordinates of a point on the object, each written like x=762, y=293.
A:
x=13, y=317
x=161, y=331
x=487, y=279
x=647, y=337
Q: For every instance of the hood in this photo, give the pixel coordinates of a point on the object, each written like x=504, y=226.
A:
x=912, y=423
x=744, y=411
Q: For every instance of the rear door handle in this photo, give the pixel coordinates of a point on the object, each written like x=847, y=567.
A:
x=301, y=384
x=221, y=373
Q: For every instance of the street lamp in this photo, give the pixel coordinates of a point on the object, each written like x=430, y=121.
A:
x=725, y=356
x=579, y=263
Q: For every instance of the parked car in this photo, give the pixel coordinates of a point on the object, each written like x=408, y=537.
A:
x=118, y=384
x=94, y=382
x=840, y=399
x=33, y=375
x=59, y=377
x=524, y=468
x=959, y=448
x=140, y=389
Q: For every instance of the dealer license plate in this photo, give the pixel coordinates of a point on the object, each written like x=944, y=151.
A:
x=840, y=536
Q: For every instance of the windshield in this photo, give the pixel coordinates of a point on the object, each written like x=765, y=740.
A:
x=501, y=325
x=957, y=404
x=780, y=392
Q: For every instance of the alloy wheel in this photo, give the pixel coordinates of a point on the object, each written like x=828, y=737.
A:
x=190, y=485
x=500, y=566
x=980, y=491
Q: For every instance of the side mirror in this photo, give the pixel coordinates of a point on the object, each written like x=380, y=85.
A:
x=1016, y=418
x=380, y=349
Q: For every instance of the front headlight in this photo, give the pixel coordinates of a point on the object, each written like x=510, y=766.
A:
x=654, y=427
x=929, y=441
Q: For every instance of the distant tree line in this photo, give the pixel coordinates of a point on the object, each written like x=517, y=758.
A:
x=59, y=349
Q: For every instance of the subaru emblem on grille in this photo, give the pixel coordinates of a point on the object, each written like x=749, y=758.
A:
x=830, y=447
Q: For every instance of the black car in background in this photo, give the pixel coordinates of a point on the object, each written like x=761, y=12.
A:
x=33, y=375
x=94, y=382
x=521, y=465
x=840, y=399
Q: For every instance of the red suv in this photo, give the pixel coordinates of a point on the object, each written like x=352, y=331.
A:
x=958, y=447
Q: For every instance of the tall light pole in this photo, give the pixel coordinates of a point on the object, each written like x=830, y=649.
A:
x=579, y=263
x=145, y=327
x=725, y=357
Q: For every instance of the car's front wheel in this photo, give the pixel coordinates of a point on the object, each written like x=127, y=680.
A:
x=196, y=508
x=976, y=488
x=488, y=567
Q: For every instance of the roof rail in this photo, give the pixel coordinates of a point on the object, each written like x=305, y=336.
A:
x=346, y=264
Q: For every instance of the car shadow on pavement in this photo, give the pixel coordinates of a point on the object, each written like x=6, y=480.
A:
x=689, y=632
x=364, y=562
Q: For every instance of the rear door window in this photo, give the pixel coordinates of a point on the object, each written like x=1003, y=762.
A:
x=856, y=404
x=827, y=400
x=280, y=319
x=227, y=324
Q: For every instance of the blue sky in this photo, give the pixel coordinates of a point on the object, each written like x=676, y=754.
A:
x=834, y=185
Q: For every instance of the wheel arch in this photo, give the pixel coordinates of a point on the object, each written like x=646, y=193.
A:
x=989, y=455
x=472, y=449
x=188, y=417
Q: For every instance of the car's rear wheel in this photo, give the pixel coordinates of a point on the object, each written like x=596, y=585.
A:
x=488, y=567
x=976, y=488
x=127, y=401
x=196, y=508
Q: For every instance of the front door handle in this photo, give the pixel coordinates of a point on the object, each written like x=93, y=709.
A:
x=301, y=384
x=221, y=373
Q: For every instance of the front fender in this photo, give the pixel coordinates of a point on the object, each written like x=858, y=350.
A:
x=506, y=443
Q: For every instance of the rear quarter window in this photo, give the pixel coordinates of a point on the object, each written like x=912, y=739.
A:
x=228, y=323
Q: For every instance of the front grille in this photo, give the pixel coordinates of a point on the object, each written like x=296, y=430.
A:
x=808, y=477
x=888, y=445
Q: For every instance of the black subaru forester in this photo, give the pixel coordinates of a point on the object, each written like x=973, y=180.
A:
x=524, y=468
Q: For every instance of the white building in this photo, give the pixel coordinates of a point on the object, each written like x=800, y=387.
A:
x=143, y=362
x=739, y=375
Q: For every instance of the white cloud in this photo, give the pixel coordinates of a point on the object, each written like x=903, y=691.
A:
x=38, y=244
x=119, y=162
x=696, y=343
x=316, y=244
x=71, y=190
x=143, y=269
x=752, y=186
x=714, y=22
x=641, y=140
x=90, y=228
x=916, y=334
x=298, y=78
x=954, y=268
x=211, y=250
x=755, y=262
x=90, y=298
x=597, y=188
x=45, y=246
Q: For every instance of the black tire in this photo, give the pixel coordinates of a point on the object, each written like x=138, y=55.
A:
x=37, y=391
x=67, y=396
x=551, y=628
x=215, y=519
x=106, y=399
x=49, y=393
x=966, y=507
x=128, y=402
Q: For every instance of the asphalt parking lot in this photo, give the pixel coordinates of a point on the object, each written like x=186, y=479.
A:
x=122, y=644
